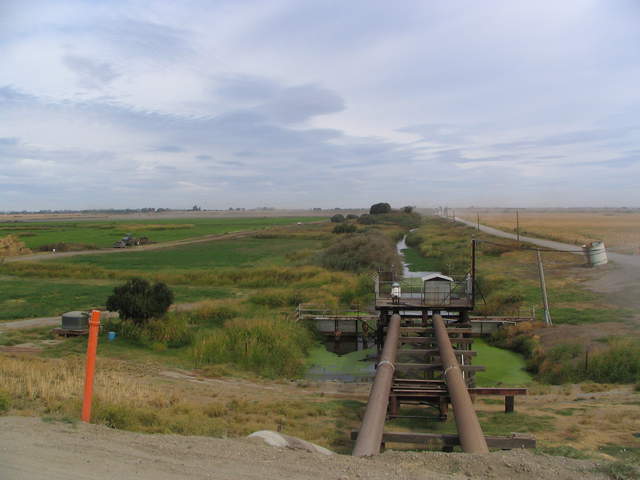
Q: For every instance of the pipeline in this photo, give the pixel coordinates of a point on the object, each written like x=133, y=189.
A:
x=370, y=435
x=469, y=431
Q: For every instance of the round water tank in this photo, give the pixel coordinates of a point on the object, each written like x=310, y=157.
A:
x=596, y=253
x=75, y=320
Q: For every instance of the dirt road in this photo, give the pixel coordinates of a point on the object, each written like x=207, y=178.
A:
x=154, y=246
x=31, y=449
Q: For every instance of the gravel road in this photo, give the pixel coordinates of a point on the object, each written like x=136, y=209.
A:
x=31, y=449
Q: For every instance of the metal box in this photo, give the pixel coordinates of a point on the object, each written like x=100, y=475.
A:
x=75, y=320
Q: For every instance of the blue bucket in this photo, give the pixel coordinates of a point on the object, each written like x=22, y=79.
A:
x=111, y=336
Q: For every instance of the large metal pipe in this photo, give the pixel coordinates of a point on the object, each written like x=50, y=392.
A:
x=370, y=435
x=471, y=437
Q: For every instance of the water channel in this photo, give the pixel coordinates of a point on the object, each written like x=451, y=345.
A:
x=352, y=365
x=345, y=360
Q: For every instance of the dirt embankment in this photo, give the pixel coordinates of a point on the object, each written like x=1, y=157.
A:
x=34, y=450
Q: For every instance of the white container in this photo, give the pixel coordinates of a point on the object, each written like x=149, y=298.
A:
x=596, y=253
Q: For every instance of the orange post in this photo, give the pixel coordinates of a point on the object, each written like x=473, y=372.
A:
x=92, y=347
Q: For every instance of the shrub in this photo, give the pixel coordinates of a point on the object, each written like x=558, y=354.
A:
x=345, y=228
x=337, y=218
x=279, y=298
x=359, y=253
x=171, y=331
x=407, y=209
x=268, y=347
x=138, y=300
x=5, y=402
x=366, y=219
x=558, y=365
x=619, y=363
x=212, y=313
x=351, y=216
x=378, y=208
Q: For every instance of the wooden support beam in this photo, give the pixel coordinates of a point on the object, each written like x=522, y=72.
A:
x=515, y=440
x=435, y=366
x=431, y=390
x=432, y=340
x=435, y=353
x=509, y=404
x=450, y=331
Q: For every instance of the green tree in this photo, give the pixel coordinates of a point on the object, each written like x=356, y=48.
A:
x=378, y=208
x=138, y=300
x=337, y=218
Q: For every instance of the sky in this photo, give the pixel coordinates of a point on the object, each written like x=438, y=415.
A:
x=301, y=103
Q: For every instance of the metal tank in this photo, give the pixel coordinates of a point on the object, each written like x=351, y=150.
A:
x=75, y=320
x=596, y=253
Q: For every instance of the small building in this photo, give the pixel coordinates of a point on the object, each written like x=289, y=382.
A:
x=436, y=289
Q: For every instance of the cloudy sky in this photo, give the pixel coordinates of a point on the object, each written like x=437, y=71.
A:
x=300, y=103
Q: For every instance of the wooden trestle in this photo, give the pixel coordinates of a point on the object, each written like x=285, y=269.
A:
x=419, y=380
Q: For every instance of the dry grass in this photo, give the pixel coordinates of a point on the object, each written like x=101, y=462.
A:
x=620, y=231
x=136, y=397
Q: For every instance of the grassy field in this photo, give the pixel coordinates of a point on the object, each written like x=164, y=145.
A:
x=241, y=253
x=27, y=298
x=52, y=286
x=102, y=234
x=508, y=281
x=620, y=231
x=146, y=383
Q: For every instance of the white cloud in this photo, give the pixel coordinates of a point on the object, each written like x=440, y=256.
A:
x=311, y=103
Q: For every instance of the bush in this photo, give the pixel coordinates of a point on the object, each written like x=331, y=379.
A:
x=351, y=216
x=619, y=363
x=378, y=208
x=172, y=331
x=5, y=402
x=366, y=219
x=212, y=313
x=360, y=253
x=337, y=218
x=279, y=298
x=345, y=228
x=268, y=347
x=138, y=300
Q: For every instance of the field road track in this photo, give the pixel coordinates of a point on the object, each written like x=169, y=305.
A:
x=38, y=322
x=31, y=449
x=154, y=246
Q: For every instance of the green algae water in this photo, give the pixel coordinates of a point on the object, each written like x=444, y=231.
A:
x=504, y=368
x=358, y=366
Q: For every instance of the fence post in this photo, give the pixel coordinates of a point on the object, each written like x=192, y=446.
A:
x=92, y=347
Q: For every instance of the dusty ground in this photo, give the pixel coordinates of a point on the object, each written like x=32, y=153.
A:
x=31, y=449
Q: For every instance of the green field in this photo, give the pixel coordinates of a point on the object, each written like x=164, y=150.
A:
x=55, y=285
x=103, y=234
x=35, y=297
x=242, y=252
x=27, y=298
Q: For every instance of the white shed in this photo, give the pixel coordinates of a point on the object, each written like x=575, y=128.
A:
x=436, y=289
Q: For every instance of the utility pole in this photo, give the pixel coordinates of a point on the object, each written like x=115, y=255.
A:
x=477, y=221
x=543, y=287
x=518, y=226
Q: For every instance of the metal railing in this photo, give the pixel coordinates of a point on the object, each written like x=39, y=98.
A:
x=413, y=290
